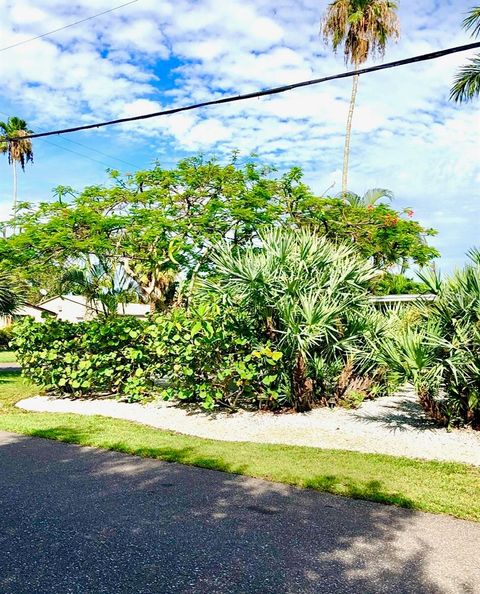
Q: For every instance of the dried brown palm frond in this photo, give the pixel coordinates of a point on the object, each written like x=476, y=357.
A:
x=20, y=149
x=362, y=26
x=13, y=142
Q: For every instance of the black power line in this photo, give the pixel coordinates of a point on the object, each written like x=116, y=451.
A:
x=266, y=92
x=94, y=16
x=64, y=148
x=88, y=148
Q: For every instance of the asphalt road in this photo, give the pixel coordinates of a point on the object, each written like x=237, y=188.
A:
x=83, y=521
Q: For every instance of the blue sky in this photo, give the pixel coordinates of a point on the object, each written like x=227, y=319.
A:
x=407, y=136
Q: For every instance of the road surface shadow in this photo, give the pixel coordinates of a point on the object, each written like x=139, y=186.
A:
x=89, y=521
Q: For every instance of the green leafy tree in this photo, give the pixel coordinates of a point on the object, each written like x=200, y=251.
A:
x=35, y=280
x=363, y=27
x=377, y=231
x=158, y=226
x=17, y=148
x=466, y=85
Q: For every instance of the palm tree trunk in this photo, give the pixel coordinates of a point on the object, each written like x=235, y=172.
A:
x=302, y=386
x=346, y=149
x=14, y=165
x=195, y=272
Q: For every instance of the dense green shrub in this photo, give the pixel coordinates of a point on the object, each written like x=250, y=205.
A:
x=389, y=283
x=102, y=356
x=285, y=322
x=438, y=347
x=454, y=332
x=6, y=335
x=197, y=355
x=211, y=355
x=309, y=298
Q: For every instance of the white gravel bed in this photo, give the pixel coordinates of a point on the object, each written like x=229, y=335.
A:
x=392, y=425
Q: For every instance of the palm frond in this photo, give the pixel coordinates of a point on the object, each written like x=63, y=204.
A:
x=363, y=27
x=13, y=142
x=11, y=298
x=474, y=255
x=472, y=21
x=370, y=198
x=466, y=85
x=432, y=278
x=301, y=282
x=373, y=195
x=350, y=198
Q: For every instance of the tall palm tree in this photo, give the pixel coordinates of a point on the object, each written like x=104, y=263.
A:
x=370, y=198
x=363, y=27
x=466, y=85
x=17, y=148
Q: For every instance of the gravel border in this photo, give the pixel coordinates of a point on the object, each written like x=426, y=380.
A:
x=391, y=425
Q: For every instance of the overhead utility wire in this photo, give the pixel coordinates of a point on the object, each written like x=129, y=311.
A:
x=88, y=148
x=94, y=16
x=266, y=92
x=75, y=152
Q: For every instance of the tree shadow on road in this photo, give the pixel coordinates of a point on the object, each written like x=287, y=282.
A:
x=88, y=521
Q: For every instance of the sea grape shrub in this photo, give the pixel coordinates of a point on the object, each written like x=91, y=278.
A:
x=210, y=355
x=213, y=354
x=198, y=356
x=41, y=348
x=91, y=358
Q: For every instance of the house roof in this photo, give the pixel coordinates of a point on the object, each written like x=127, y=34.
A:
x=38, y=307
x=132, y=309
x=79, y=299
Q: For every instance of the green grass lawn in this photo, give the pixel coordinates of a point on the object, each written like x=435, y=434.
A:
x=437, y=487
x=7, y=357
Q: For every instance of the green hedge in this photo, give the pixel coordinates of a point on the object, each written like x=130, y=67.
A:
x=6, y=335
x=96, y=357
x=195, y=356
